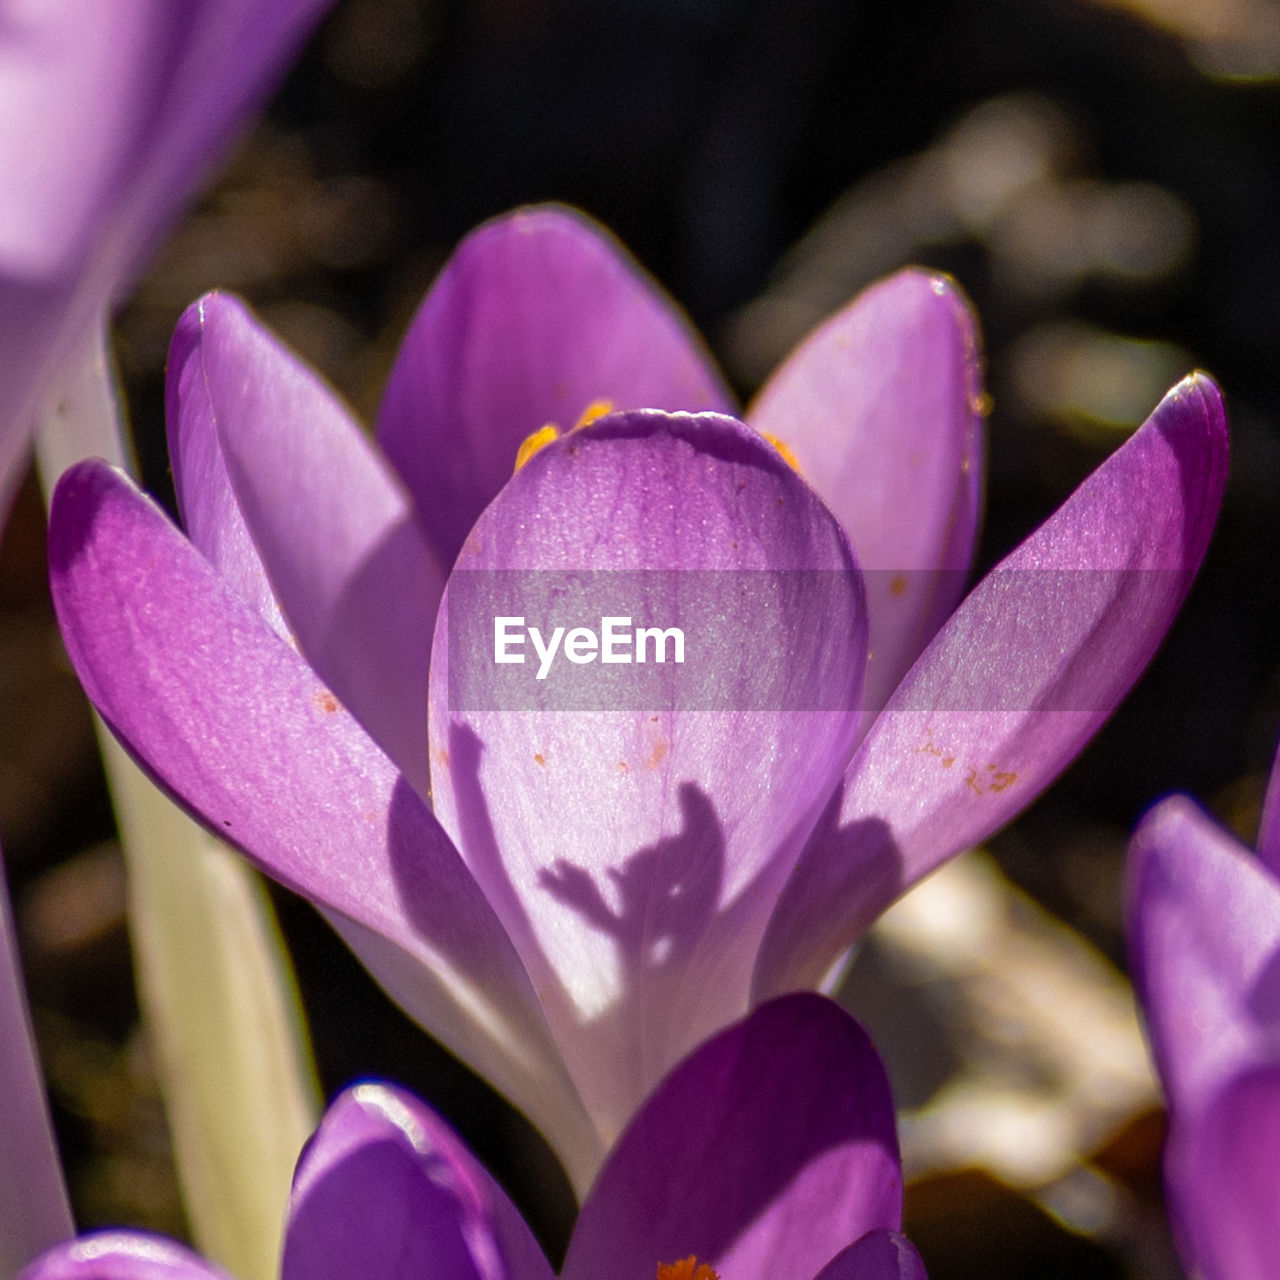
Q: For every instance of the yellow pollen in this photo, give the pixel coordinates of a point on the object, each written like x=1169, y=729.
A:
x=539, y=439
x=596, y=409
x=535, y=443
x=686, y=1269
x=787, y=456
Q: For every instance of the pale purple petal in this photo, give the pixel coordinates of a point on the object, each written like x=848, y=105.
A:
x=882, y=408
x=632, y=848
x=537, y=316
x=879, y=1255
x=1269, y=828
x=170, y=85
x=206, y=501
x=1204, y=944
x=121, y=1255
x=763, y=1155
x=355, y=579
x=386, y=1191
x=70, y=161
x=227, y=717
x=1013, y=686
x=1222, y=1168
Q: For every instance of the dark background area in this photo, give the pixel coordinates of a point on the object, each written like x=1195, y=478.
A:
x=1101, y=180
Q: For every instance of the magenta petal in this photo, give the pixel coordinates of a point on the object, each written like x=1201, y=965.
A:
x=882, y=408
x=633, y=848
x=537, y=316
x=120, y=1255
x=354, y=577
x=206, y=502
x=1014, y=685
x=1204, y=943
x=763, y=1154
x=879, y=1255
x=1221, y=1169
x=227, y=717
x=386, y=1191
x=1269, y=827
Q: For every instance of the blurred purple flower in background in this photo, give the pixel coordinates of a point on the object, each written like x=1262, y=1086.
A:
x=572, y=900
x=769, y=1154
x=109, y=117
x=1204, y=942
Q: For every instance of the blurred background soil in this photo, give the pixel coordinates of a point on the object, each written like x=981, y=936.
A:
x=1101, y=176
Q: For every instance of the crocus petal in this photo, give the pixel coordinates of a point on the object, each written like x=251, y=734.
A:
x=1269, y=828
x=537, y=317
x=170, y=85
x=1204, y=943
x=1224, y=1194
x=632, y=849
x=121, y=1255
x=206, y=502
x=1021, y=676
x=882, y=408
x=45, y=50
x=228, y=718
x=762, y=1154
x=355, y=579
x=385, y=1190
x=879, y=1255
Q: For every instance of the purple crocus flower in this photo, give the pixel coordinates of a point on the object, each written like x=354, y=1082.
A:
x=110, y=114
x=1204, y=944
x=572, y=900
x=762, y=1156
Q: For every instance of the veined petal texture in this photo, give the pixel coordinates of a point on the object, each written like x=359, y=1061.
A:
x=882, y=408
x=633, y=845
x=1019, y=678
x=226, y=716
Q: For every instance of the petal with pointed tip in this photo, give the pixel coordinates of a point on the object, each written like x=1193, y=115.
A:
x=1014, y=684
x=537, y=316
x=762, y=1154
x=206, y=502
x=354, y=577
x=882, y=407
x=226, y=717
x=633, y=848
x=385, y=1191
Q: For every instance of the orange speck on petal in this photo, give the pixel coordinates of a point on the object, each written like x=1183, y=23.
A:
x=326, y=701
x=622, y=767
x=535, y=443
x=686, y=1269
x=657, y=754
x=898, y=585
x=539, y=758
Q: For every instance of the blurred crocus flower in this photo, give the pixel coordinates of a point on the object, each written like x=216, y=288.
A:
x=768, y=1154
x=110, y=114
x=1204, y=944
x=572, y=899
